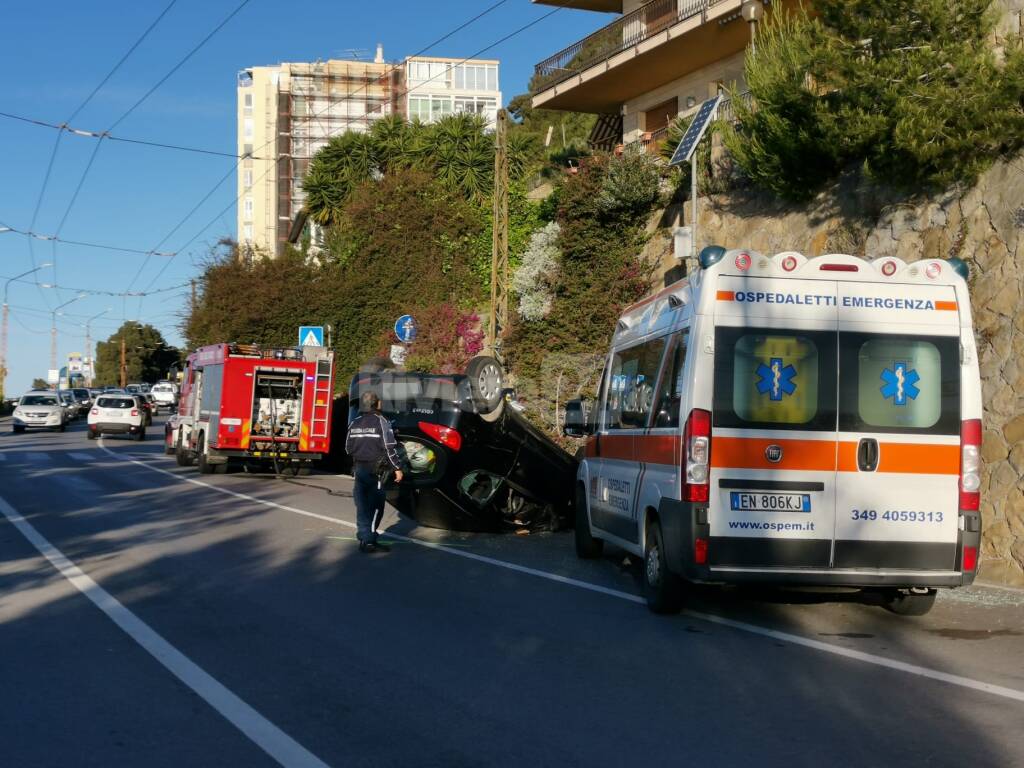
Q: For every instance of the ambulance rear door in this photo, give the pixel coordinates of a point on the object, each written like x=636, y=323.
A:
x=774, y=440
x=897, y=502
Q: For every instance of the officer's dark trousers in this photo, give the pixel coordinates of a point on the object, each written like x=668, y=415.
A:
x=369, y=503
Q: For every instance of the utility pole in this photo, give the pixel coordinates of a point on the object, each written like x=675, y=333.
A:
x=4, y=324
x=499, y=241
x=124, y=364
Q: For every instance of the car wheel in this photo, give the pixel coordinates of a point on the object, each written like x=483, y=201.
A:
x=486, y=382
x=141, y=435
x=62, y=427
x=910, y=602
x=182, y=455
x=205, y=467
x=90, y=435
x=17, y=429
x=662, y=588
x=587, y=547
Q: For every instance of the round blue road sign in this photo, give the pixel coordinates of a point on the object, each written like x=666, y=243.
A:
x=405, y=329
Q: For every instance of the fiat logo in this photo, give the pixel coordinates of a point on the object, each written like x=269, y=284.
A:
x=773, y=453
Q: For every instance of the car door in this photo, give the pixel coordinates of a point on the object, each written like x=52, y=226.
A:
x=631, y=376
x=899, y=427
x=774, y=439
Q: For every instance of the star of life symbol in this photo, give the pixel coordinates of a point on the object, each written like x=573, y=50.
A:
x=776, y=379
x=900, y=383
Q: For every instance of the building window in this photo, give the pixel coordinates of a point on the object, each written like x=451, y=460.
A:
x=247, y=103
x=247, y=231
x=248, y=127
x=476, y=77
x=429, y=109
x=247, y=209
x=247, y=150
x=247, y=178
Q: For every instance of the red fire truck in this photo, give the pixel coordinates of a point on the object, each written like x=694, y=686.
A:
x=250, y=405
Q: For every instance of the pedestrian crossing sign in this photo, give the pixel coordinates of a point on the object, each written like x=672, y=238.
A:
x=311, y=335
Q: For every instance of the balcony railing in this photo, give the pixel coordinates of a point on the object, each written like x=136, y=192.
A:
x=623, y=33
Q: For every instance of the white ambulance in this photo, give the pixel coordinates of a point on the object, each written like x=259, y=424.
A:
x=787, y=420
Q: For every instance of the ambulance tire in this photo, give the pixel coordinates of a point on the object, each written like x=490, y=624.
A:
x=662, y=588
x=486, y=383
x=906, y=603
x=587, y=547
x=205, y=467
x=182, y=455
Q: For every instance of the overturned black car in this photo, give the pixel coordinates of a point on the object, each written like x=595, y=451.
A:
x=474, y=461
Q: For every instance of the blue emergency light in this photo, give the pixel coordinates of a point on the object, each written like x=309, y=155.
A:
x=710, y=255
x=960, y=267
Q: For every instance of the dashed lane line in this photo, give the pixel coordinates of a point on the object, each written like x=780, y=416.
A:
x=267, y=736
x=787, y=637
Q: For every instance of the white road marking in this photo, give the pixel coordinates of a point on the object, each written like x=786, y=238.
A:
x=267, y=736
x=849, y=653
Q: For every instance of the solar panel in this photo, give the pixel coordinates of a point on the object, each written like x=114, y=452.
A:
x=692, y=137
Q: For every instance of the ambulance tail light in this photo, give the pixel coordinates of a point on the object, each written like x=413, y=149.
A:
x=970, y=465
x=839, y=268
x=969, y=561
x=446, y=436
x=697, y=456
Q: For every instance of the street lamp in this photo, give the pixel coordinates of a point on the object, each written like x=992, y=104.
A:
x=53, y=328
x=753, y=12
x=88, y=344
x=3, y=324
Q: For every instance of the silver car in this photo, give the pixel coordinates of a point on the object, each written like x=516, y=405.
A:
x=41, y=409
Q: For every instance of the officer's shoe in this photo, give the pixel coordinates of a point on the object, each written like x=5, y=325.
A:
x=370, y=547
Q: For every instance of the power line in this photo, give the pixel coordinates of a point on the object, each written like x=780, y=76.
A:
x=498, y=42
x=54, y=238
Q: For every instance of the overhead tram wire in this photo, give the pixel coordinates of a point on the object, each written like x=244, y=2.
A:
x=53, y=238
x=181, y=62
x=56, y=143
x=483, y=50
x=361, y=89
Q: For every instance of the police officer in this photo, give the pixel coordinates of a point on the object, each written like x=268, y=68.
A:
x=371, y=444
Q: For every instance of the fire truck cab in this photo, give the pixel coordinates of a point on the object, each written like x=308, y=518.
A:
x=242, y=403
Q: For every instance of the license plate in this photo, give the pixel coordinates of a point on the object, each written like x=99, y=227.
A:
x=769, y=502
x=111, y=413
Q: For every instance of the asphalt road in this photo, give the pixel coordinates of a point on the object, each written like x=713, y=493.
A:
x=230, y=620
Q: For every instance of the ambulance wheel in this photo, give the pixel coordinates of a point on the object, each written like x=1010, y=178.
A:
x=662, y=588
x=587, y=547
x=486, y=382
x=205, y=467
x=181, y=454
x=906, y=602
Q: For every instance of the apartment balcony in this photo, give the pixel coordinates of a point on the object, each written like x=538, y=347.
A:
x=657, y=43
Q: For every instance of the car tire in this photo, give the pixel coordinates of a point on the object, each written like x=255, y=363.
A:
x=182, y=455
x=587, y=546
x=205, y=467
x=907, y=603
x=90, y=435
x=62, y=428
x=662, y=588
x=376, y=365
x=486, y=383
x=140, y=435
x=17, y=429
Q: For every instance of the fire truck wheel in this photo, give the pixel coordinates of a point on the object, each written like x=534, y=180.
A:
x=205, y=467
x=662, y=588
x=182, y=455
x=587, y=547
x=220, y=469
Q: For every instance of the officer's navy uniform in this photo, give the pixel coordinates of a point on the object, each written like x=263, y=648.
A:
x=370, y=441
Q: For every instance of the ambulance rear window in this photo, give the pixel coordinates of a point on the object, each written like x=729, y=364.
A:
x=899, y=384
x=775, y=379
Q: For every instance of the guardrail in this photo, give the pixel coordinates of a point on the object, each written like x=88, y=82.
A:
x=625, y=32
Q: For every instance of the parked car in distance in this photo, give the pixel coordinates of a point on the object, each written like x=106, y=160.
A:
x=70, y=404
x=165, y=395
x=84, y=397
x=39, y=409
x=117, y=415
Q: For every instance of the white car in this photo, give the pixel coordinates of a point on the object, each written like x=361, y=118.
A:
x=165, y=395
x=40, y=410
x=117, y=415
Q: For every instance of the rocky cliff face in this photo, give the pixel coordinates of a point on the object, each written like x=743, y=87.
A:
x=985, y=227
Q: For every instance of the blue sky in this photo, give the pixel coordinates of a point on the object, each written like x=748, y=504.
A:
x=54, y=55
